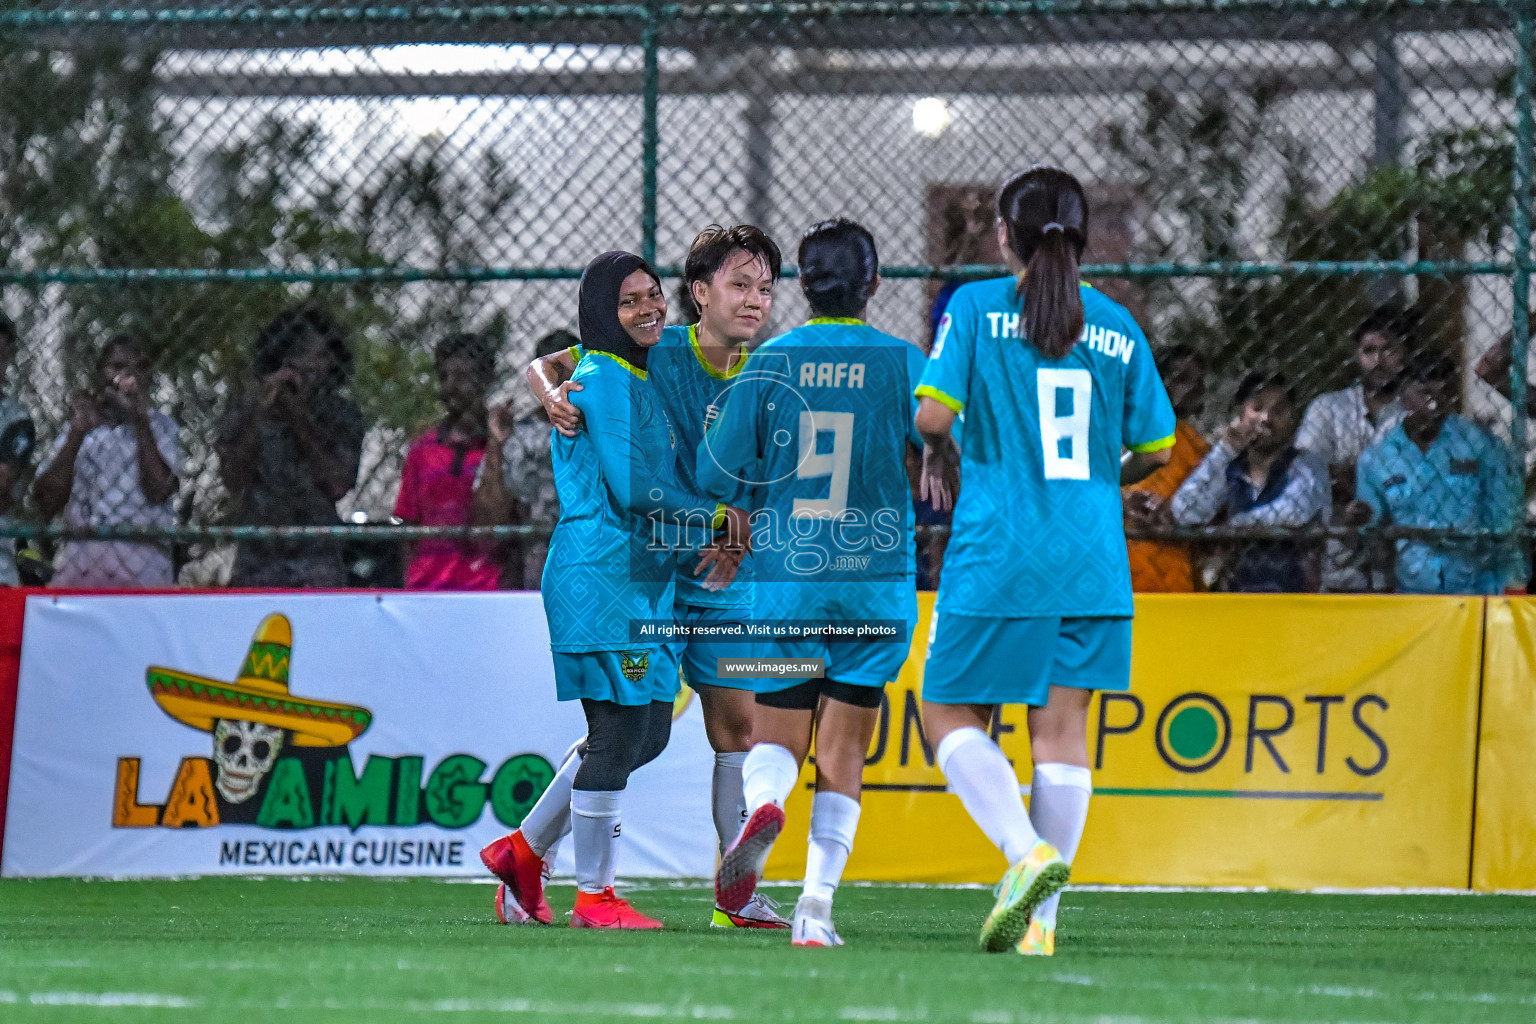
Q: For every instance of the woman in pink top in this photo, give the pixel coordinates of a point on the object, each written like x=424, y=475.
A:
x=438, y=482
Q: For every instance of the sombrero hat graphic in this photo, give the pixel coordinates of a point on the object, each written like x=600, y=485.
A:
x=259, y=694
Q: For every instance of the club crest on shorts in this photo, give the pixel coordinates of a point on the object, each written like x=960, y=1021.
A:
x=634, y=669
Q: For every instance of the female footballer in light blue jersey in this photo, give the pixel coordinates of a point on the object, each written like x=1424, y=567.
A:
x=604, y=575
x=729, y=276
x=1055, y=382
x=818, y=427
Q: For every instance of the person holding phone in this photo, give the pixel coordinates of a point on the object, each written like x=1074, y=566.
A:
x=18, y=441
x=1255, y=476
x=117, y=463
x=289, y=448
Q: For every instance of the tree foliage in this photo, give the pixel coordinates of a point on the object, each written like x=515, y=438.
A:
x=1196, y=164
x=94, y=174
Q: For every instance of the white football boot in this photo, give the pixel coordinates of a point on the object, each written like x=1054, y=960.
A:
x=813, y=923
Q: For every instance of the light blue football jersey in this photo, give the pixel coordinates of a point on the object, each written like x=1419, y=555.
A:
x=605, y=569
x=689, y=389
x=1037, y=526
x=816, y=428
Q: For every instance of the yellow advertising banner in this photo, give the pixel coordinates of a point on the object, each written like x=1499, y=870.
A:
x=1504, y=840
x=1282, y=741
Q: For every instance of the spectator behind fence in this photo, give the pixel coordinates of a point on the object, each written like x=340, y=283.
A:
x=1495, y=366
x=116, y=464
x=18, y=440
x=1255, y=476
x=289, y=449
x=1157, y=566
x=437, y=482
x=1339, y=425
x=516, y=482
x=1439, y=471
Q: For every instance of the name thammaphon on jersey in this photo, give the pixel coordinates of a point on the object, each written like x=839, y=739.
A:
x=1096, y=338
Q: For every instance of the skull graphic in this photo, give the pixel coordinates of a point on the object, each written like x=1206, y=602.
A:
x=244, y=752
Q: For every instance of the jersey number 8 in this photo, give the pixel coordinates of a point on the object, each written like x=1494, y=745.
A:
x=1066, y=398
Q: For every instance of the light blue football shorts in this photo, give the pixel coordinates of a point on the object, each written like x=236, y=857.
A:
x=631, y=678
x=974, y=659
x=700, y=658
x=870, y=663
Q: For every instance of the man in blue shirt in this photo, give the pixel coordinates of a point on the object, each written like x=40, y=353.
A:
x=1440, y=471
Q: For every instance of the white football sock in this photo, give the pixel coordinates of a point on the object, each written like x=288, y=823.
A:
x=979, y=773
x=1058, y=807
x=549, y=820
x=595, y=831
x=768, y=775
x=730, y=800
x=834, y=820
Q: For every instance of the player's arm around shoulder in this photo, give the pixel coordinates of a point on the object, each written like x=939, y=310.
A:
x=551, y=379
x=605, y=403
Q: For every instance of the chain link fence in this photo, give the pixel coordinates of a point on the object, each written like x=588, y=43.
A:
x=1266, y=175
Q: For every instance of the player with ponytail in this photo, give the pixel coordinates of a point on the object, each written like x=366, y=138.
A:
x=818, y=429
x=1062, y=406
x=1045, y=215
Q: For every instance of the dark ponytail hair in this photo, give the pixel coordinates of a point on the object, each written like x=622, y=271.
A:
x=838, y=267
x=1046, y=213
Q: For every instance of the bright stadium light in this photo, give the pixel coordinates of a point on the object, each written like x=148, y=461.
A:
x=931, y=117
x=430, y=117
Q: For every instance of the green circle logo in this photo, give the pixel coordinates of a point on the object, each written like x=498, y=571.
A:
x=1193, y=732
x=518, y=783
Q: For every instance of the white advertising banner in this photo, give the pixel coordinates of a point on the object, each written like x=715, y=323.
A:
x=390, y=734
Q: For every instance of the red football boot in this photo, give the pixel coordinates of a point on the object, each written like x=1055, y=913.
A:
x=605, y=910
x=520, y=897
x=742, y=864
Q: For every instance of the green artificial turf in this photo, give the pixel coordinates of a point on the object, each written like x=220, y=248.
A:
x=240, y=950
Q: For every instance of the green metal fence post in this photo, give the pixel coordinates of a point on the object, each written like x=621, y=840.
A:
x=650, y=133
x=1525, y=131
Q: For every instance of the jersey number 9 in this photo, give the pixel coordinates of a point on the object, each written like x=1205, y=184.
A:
x=832, y=464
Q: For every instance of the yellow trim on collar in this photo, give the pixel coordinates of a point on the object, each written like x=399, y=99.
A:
x=1152, y=446
x=709, y=368
x=929, y=391
x=632, y=368
x=846, y=321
